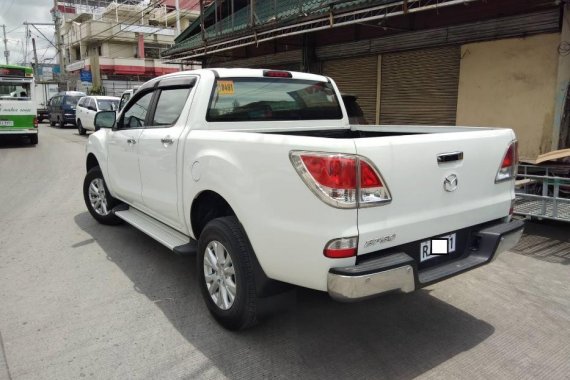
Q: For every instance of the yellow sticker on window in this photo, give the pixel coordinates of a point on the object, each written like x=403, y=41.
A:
x=225, y=87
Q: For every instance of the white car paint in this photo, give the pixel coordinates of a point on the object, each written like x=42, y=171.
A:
x=288, y=226
x=85, y=112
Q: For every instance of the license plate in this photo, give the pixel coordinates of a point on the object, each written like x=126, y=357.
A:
x=437, y=247
x=6, y=123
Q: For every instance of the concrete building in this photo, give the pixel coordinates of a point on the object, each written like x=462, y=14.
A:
x=115, y=45
x=446, y=62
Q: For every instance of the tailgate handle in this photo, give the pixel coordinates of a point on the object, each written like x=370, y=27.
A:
x=448, y=157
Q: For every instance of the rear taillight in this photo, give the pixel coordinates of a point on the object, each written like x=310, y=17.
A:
x=341, y=180
x=35, y=122
x=508, y=168
x=341, y=248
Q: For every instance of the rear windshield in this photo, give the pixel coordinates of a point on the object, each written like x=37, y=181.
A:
x=15, y=91
x=272, y=99
x=108, y=104
x=72, y=100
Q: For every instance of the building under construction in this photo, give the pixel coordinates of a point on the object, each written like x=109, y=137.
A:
x=110, y=46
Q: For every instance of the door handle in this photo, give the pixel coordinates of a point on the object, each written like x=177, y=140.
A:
x=131, y=141
x=167, y=141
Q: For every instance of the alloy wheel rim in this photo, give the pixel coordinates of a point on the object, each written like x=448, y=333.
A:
x=97, y=197
x=219, y=274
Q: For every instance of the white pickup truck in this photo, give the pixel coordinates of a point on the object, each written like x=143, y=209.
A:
x=260, y=174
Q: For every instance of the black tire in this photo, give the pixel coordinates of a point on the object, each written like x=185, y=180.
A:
x=33, y=139
x=108, y=218
x=80, y=128
x=52, y=123
x=243, y=311
x=59, y=123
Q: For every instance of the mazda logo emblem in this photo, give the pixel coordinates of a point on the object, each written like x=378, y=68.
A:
x=450, y=183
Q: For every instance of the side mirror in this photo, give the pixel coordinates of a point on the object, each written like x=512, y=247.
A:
x=105, y=119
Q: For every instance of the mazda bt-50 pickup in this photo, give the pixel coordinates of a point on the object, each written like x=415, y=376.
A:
x=260, y=175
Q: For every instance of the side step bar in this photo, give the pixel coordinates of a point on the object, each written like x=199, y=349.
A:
x=167, y=236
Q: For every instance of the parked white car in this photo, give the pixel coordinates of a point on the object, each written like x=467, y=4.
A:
x=88, y=106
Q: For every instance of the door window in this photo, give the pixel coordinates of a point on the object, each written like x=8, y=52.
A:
x=169, y=106
x=91, y=105
x=135, y=115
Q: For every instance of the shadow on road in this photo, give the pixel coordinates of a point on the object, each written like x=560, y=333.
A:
x=15, y=142
x=545, y=240
x=395, y=336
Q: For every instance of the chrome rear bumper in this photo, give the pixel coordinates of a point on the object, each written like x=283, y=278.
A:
x=398, y=271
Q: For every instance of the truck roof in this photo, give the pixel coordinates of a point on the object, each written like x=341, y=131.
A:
x=246, y=73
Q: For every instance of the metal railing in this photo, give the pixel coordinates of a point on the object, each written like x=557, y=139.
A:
x=543, y=192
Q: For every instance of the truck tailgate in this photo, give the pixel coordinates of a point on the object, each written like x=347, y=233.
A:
x=421, y=206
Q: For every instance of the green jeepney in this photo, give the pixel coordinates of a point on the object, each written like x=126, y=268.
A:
x=17, y=105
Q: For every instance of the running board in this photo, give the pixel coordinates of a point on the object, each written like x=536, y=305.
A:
x=167, y=236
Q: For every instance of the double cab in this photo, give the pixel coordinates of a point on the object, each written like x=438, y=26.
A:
x=260, y=174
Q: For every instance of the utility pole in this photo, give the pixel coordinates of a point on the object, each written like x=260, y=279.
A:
x=177, y=17
x=36, y=67
x=6, y=52
x=26, y=44
x=58, y=40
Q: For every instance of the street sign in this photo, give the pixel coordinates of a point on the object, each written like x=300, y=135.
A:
x=85, y=76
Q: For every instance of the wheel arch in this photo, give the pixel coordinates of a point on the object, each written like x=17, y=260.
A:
x=206, y=206
x=91, y=161
x=209, y=205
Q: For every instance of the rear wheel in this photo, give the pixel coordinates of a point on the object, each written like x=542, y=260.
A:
x=97, y=198
x=34, y=139
x=80, y=127
x=225, y=273
x=51, y=123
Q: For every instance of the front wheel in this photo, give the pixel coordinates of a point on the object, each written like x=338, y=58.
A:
x=80, y=128
x=225, y=273
x=97, y=198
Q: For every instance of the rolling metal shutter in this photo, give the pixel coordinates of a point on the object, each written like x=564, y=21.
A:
x=357, y=76
x=420, y=86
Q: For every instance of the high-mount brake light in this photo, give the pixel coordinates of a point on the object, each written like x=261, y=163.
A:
x=277, y=74
x=508, y=168
x=341, y=180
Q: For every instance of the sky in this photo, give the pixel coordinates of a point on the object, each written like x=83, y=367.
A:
x=13, y=13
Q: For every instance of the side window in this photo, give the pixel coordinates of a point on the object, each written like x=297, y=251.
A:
x=82, y=102
x=90, y=104
x=135, y=115
x=169, y=106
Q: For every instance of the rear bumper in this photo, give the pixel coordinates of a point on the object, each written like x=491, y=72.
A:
x=30, y=131
x=398, y=271
x=69, y=119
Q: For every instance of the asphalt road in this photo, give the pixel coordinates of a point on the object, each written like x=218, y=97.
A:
x=82, y=300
